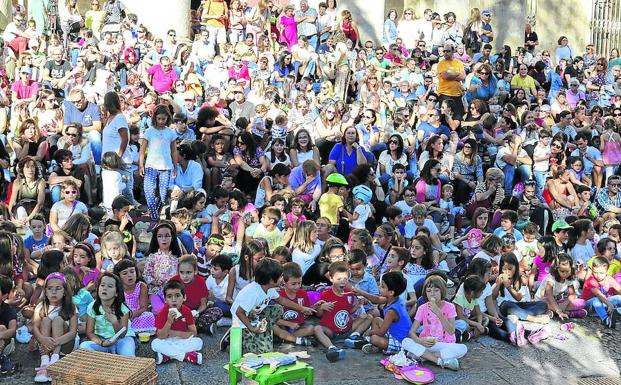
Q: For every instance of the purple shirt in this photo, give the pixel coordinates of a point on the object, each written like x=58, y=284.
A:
x=297, y=178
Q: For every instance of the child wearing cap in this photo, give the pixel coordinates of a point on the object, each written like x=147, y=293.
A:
x=362, y=211
x=331, y=202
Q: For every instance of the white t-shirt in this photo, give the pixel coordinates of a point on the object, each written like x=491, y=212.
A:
x=63, y=211
x=541, y=165
x=410, y=227
x=505, y=150
x=508, y=297
x=113, y=186
x=364, y=211
x=111, y=139
x=306, y=260
x=557, y=288
x=252, y=299
x=218, y=289
x=486, y=293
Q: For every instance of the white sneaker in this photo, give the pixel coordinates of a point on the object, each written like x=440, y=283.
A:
x=452, y=364
x=42, y=375
x=224, y=322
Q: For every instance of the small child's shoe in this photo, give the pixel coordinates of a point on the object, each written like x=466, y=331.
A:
x=194, y=358
x=451, y=363
x=370, y=349
x=41, y=375
x=161, y=358
x=6, y=366
x=335, y=354
x=520, y=339
x=355, y=342
x=580, y=313
x=539, y=335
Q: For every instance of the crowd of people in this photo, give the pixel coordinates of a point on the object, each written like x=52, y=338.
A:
x=280, y=173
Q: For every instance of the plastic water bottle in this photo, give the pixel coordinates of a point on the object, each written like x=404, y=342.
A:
x=567, y=326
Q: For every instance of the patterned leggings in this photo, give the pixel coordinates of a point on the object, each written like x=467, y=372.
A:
x=151, y=177
x=209, y=316
x=264, y=342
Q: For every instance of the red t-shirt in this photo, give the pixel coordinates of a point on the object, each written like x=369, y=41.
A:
x=194, y=291
x=605, y=287
x=180, y=324
x=339, y=319
x=301, y=298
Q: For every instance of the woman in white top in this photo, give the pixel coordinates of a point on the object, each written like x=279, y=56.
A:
x=303, y=149
x=406, y=27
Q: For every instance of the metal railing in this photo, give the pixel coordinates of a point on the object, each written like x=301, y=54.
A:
x=606, y=26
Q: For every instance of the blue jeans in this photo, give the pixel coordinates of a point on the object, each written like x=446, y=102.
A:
x=540, y=178
x=509, y=171
x=312, y=42
x=595, y=304
x=522, y=310
x=224, y=306
x=461, y=325
x=94, y=137
x=125, y=346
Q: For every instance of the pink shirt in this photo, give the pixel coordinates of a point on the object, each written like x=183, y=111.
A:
x=432, y=327
x=605, y=287
x=162, y=81
x=543, y=268
x=25, y=91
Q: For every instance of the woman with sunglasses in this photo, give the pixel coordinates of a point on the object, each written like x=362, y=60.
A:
x=62, y=210
x=406, y=27
x=597, y=81
x=483, y=83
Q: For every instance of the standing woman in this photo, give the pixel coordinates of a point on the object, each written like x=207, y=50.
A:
x=349, y=28
x=115, y=137
x=257, y=17
x=288, y=27
x=237, y=22
x=610, y=146
x=467, y=171
x=563, y=51
x=390, y=33
x=70, y=20
x=597, y=81
x=341, y=64
x=531, y=40
x=406, y=28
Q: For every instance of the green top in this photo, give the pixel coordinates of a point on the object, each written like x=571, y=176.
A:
x=103, y=327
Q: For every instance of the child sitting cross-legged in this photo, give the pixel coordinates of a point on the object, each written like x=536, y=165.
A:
x=388, y=332
x=196, y=293
x=176, y=331
x=436, y=341
x=335, y=309
x=291, y=327
x=8, y=326
x=251, y=311
x=469, y=315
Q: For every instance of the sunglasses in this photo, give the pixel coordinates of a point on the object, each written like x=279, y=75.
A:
x=617, y=114
x=484, y=73
x=71, y=134
x=556, y=145
x=70, y=192
x=394, y=142
x=368, y=117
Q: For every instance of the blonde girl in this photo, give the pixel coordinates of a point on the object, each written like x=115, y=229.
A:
x=241, y=275
x=113, y=250
x=55, y=323
x=305, y=245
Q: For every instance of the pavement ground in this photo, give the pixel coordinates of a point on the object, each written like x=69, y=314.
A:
x=589, y=354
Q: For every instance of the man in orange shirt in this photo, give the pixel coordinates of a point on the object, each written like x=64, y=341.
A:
x=450, y=75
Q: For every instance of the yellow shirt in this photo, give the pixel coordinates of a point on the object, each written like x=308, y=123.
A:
x=213, y=8
x=274, y=238
x=329, y=205
x=449, y=87
x=527, y=83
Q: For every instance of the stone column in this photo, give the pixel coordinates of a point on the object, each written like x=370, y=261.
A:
x=161, y=15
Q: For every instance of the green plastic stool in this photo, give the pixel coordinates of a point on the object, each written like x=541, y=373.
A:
x=264, y=375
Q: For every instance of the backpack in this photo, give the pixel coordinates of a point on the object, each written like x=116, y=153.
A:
x=471, y=39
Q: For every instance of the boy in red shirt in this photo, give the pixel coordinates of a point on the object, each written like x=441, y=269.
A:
x=291, y=327
x=176, y=332
x=601, y=293
x=197, y=293
x=335, y=309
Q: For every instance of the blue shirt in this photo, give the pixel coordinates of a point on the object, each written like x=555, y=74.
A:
x=86, y=118
x=483, y=92
x=33, y=245
x=297, y=178
x=345, y=163
x=499, y=232
x=159, y=156
x=401, y=328
x=368, y=284
x=192, y=177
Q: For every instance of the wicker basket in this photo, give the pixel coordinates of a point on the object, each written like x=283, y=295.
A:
x=85, y=367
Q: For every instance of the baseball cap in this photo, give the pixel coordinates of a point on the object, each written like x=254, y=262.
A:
x=25, y=70
x=561, y=224
x=486, y=12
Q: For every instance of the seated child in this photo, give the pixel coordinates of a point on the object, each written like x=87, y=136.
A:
x=388, y=332
x=121, y=218
x=291, y=327
x=136, y=296
x=559, y=289
x=196, y=295
x=107, y=316
x=36, y=241
x=251, y=311
x=602, y=293
x=176, y=331
x=470, y=317
x=81, y=297
x=361, y=279
x=113, y=249
x=8, y=326
x=217, y=283
x=55, y=323
x=335, y=310
x=436, y=341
